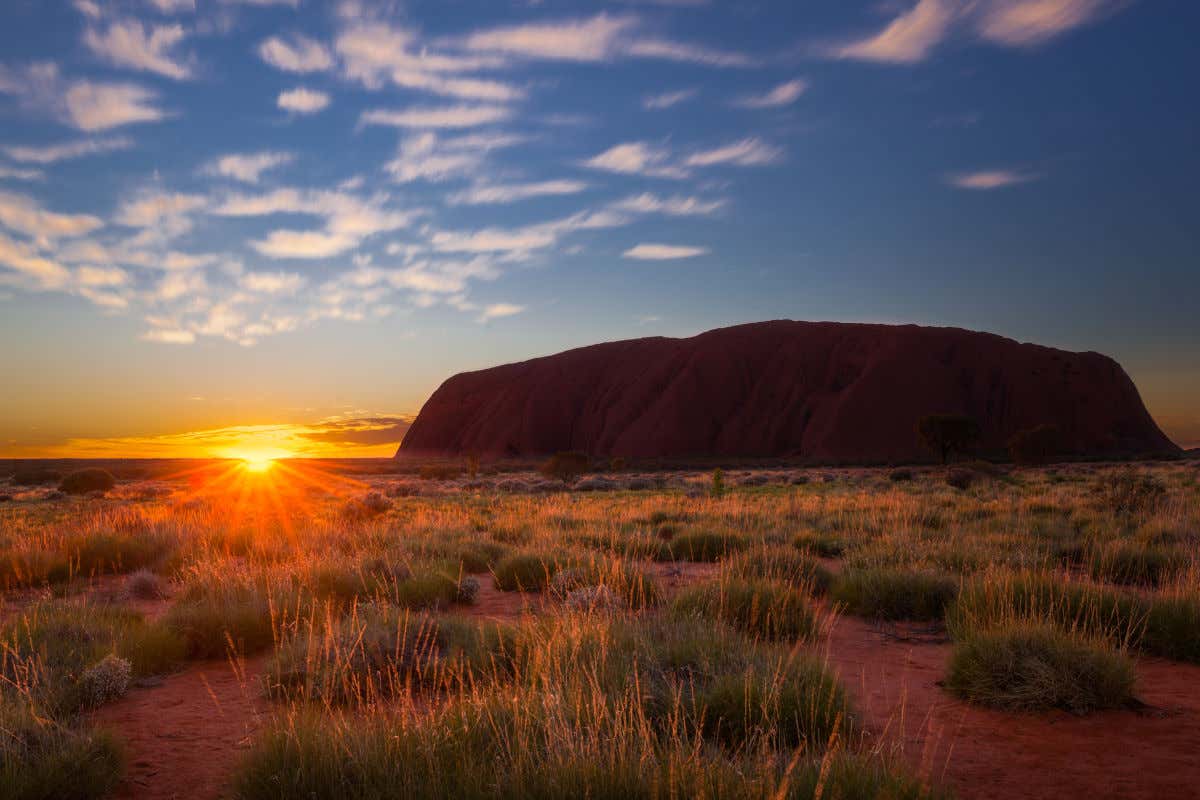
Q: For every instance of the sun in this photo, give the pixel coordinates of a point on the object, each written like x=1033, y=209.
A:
x=257, y=463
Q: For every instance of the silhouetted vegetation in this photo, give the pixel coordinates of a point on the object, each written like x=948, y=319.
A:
x=1038, y=445
x=565, y=467
x=948, y=434
x=87, y=480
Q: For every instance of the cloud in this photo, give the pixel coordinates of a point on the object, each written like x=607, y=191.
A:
x=127, y=43
x=376, y=53
x=782, y=95
x=914, y=34
x=22, y=214
x=636, y=158
x=87, y=105
x=425, y=157
x=18, y=174
x=380, y=430
x=49, y=154
x=483, y=194
x=908, y=38
x=272, y=282
x=593, y=39
x=498, y=310
x=670, y=50
x=99, y=106
x=348, y=220
x=303, y=101
x=749, y=152
x=168, y=336
x=24, y=259
x=675, y=206
x=517, y=243
x=173, y=6
x=160, y=210
x=656, y=102
x=663, y=252
x=297, y=54
x=985, y=180
x=460, y=116
x=247, y=167
x=1030, y=22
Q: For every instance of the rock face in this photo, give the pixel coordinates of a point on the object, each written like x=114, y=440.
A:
x=828, y=392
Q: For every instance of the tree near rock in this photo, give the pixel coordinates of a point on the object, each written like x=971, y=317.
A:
x=948, y=434
x=1037, y=445
x=566, y=467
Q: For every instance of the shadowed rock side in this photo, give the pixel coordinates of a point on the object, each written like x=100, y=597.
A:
x=823, y=391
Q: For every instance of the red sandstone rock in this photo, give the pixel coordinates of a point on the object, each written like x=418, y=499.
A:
x=823, y=391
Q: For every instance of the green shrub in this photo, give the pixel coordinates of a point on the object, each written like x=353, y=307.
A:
x=819, y=543
x=41, y=759
x=893, y=594
x=798, y=702
x=1030, y=668
x=88, y=480
x=783, y=564
x=213, y=620
x=1130, y=563
x=565, y=467
x=762, y=608
x=524, y=572
x=702, y=545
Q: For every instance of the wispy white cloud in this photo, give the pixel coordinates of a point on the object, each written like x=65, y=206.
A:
x=914, y=34
x=20, y=173
x=160, y=210
x=498, y=310
x=348, y=220
x=100, y=106
x=52, y=153
x=459, y=116
x=750, y=152
x=272, y=282
x=296, y=53
x=173, y=6
x=782, y=95
x=592, y=39
x=1031, y=22
x=248, y=167
x=671, y=50
x=656, y=102
x=675, y=205
x=484, y=194
x=637, y=158
x=22, y=214
x=127, y=43
x=985, y=180
x=303, y=101
x=663, y=252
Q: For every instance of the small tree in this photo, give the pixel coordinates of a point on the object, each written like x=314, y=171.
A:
x=472, y=466
x=948, y=434
x=88, y=480
x=566, y=467
x=718, y=482
x=1037, y=445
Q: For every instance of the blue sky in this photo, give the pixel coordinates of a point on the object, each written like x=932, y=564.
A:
x=230, y=213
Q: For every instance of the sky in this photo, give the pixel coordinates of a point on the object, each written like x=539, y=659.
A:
x=275, y=226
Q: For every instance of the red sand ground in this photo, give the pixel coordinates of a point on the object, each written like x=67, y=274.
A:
x=185, y=735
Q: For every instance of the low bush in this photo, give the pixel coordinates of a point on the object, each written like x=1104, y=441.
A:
x=894, y=594
x=820, y=543
x=1129, y=563
x=88, y=480
x=565, y=467
x=41, y=759
x=213, y=620
x=1129, y=491
x=1030, y=668
x=36, y=477
x=525, y=572
x=783, y=564
x=701, y=545
x=762, y=608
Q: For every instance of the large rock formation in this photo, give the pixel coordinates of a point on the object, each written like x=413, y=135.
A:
x=822, y=391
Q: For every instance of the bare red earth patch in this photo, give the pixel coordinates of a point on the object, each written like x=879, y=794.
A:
x=983, y=754
x=184, y=736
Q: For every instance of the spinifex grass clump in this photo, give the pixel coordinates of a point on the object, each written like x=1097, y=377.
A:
x=894, y=594
x=820, y=543
x=1022, y=667
x=702, y=545
x=47, y=651
x=1131, y=563
x=525, y=572
x=41, y=758
x=783, y=564
x=763, y=608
